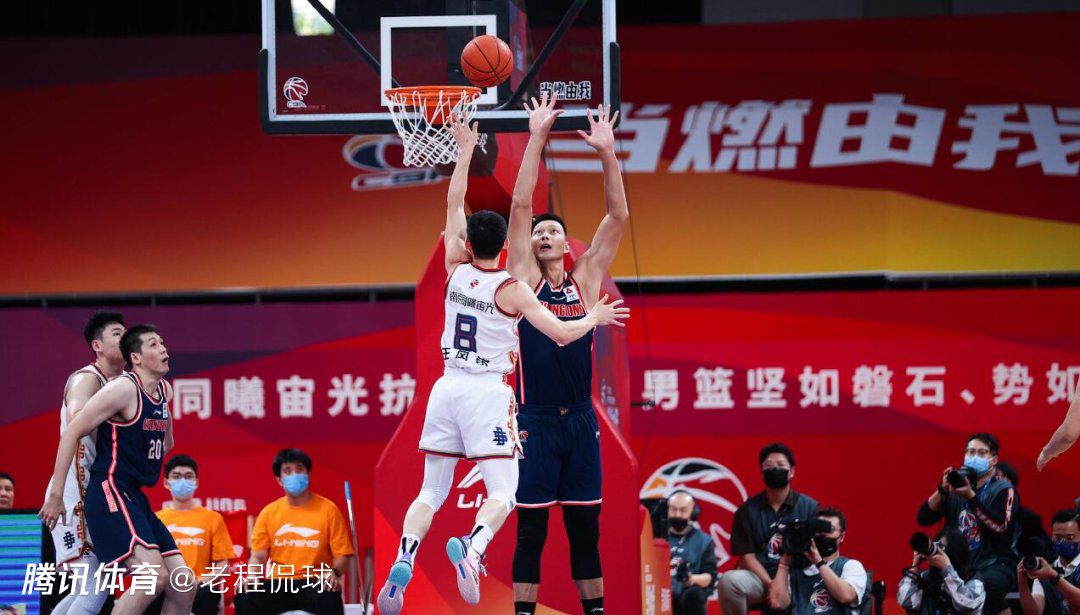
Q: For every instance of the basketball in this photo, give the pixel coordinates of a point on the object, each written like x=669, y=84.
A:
x=487, y=61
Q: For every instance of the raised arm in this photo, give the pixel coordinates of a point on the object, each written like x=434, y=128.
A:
x=518, y=299
x=454, y=235
x=605, y=244
x=520, y=261
x=1064, y=437
x=111, y=400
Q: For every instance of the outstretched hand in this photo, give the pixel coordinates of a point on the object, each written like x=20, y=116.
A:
x=601, y=135
x=465, y=135
x=542, y=114
x=610, y=313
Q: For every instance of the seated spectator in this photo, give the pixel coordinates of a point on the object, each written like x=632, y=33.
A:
x=301, y=538
x=693, y=556
x=200, y=534
x=947, y=585
x=7, y=491
x=1056, y=590
x=754, y=537
x=822, y=581
x=984, y=510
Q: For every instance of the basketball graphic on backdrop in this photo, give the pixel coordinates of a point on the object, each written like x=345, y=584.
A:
x=486, y=61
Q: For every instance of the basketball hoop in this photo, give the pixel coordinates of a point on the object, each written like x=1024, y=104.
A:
x=420, y=112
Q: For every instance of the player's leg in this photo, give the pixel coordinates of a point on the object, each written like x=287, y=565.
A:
x=441, y=439
x=88, y=600
x=466, y=553
x=180, y=590
x=438, y=479
x=137, y=600
x=580, y=495
x=537, y=492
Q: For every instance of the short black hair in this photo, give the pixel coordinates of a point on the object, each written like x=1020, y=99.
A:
x=11, y=478
x=1067, y=515
x=132, y=341
x=97, y=323
x=486, y=231
x=181, y=460
x=776, y=447
x=834, y=512
x=991, y=441
x=1009, y=472
x=291, y=455
x=538, y=218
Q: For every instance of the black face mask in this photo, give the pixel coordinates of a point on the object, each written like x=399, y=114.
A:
x=678, y=523
x=826, y=546
x=776, y=478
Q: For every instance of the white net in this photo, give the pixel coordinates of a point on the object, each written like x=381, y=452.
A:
x=421, y=116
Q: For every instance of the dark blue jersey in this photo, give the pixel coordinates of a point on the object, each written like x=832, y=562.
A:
x=550, y=375
x=131, y=452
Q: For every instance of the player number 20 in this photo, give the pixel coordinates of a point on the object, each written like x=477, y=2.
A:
x=157, y=449
x=465, y=333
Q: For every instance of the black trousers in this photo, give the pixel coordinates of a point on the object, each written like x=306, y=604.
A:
x=692, y=601
x=283, y=599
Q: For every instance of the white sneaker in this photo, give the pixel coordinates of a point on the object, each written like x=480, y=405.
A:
x=392, y=596
x=467, y=568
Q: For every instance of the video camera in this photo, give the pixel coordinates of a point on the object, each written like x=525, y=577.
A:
x=1031, y=563
x=797, y=534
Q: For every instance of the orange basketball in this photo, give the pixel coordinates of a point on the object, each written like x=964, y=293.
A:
x=486, y=61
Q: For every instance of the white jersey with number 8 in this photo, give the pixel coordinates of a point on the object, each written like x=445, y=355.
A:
x=478, y=337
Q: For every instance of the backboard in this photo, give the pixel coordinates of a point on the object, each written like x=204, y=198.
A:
x=325, y=64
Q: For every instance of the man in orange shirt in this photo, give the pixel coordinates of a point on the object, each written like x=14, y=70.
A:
x=302, y=542
x=200, y=535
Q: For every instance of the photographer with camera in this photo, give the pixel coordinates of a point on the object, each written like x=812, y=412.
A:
x=693, y=556
x=812, y=577
x=755, y=536
x=946, y=585
x=1056, y=590
x=982, y=506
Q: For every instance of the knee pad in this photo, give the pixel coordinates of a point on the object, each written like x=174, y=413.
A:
x=500, y=480
x=583, y=531
x=433, y=496
x=438, y=478
x=531, y=535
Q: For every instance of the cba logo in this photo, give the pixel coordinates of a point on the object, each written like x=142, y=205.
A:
x=379, y=158
x=295, y=90
x=717, y=490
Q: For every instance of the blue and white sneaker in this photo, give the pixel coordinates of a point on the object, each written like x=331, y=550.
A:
x=392, y=596
x=467, y=568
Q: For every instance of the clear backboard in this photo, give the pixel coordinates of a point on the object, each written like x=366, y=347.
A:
x=326, y=64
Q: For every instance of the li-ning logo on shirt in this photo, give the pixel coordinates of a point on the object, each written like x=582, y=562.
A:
x=305, y=532
x=189, y=536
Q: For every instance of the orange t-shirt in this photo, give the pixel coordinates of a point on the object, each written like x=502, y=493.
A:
x=201, y=536
x=299, y=536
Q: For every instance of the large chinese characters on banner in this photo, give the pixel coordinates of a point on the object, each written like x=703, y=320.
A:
x=898, y=145
x=876, y=392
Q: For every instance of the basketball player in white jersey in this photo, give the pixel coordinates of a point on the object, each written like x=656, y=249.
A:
x=102, y=332
x=470, y=412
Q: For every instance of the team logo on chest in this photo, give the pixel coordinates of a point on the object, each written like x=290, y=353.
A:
x=474, y=283
x=571, y=294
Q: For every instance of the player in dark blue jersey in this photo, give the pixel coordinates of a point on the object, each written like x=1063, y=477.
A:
x=134, y=432
x=559, y=430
